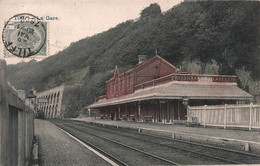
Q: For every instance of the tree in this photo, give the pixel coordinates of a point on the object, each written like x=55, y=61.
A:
x=193, y=67
x=211, y=68
x=151, y=12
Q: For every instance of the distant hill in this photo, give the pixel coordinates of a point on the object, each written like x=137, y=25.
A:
x=223, y=36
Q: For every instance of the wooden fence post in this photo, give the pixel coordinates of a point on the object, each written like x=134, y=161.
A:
x=225, y=116
x=204, y=115
x=250, y=116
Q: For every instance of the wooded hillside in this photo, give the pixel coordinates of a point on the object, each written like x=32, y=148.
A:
x=202, y=37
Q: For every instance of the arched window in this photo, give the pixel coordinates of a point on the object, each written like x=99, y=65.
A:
x=121, y=84
x=56, y=110
x=46, y=111
x=54, y=98
x=108, y=89
x=58, y=95
x=49, y=111
x=51, y=98
x=53, y=112
x=113, y=87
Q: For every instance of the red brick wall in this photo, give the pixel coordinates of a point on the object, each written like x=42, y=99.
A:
x=120, y=85
x=124, y=83
x=154, y=69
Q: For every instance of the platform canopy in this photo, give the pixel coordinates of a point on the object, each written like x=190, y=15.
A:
x=176, y=90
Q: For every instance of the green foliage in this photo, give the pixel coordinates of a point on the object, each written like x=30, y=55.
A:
x=198, y=67
x=151, y=12
x=211, y=68
x=247, y=82
x=193, y=33
x=193, y=67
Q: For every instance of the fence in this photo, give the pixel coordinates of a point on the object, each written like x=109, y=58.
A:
x=245, y=116
x=16, y=124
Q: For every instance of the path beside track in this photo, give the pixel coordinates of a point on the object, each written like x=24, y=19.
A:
x=58, y=149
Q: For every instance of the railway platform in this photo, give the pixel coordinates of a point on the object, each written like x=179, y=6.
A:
x=58, y=148
x=228, y=138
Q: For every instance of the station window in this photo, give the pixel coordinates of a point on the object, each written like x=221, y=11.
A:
x=58, y=97
x=113, y=88
x=129, y=82
x=121, y=82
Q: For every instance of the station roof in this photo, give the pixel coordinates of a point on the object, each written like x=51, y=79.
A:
x=176, y=90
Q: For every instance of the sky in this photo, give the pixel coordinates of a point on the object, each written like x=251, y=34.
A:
x=75, y=19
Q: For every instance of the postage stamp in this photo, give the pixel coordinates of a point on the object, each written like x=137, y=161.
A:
x=24, y=35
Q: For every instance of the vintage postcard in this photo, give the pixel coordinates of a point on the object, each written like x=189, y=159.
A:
x=129, y=82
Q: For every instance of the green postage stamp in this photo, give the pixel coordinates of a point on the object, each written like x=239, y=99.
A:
x=25, y=35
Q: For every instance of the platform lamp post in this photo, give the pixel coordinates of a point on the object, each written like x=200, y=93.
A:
x=32, y=99
x=31, y=96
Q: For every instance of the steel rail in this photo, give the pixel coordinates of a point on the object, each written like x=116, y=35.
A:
x=127, y=146
x=203, y=145
x=95, y=147
x=191, y=151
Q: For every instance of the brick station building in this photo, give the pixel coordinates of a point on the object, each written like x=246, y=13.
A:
x=157, y=91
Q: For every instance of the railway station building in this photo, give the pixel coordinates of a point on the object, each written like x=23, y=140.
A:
x=156, y=91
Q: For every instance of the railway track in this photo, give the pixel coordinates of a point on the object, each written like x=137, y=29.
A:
x=111, y=157
x=180, y=148
x=170, y=155
x=78, y=134
x=161, y=150
x=218, y=153
x=222, y=154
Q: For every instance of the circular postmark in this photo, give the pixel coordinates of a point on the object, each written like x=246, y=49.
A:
x=24, y=35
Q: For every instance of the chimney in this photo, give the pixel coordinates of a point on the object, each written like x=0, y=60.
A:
x=142, y=58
